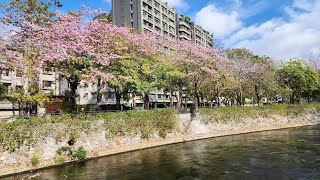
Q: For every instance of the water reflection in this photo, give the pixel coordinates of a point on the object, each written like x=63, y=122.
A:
x=282, y=154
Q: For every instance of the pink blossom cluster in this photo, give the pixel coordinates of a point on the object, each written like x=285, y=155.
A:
x=74, y=42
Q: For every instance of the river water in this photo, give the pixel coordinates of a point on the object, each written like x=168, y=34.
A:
x=280, y=154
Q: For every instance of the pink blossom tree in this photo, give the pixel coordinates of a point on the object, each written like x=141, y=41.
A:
x=255, y=75
x=200, y=64
x=77, y=47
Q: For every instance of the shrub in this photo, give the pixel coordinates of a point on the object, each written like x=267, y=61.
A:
x=64, y=150
x=79, y=154
x=59, y=160
x=35, y=159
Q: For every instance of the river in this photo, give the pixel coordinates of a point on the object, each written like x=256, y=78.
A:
x=280, y=154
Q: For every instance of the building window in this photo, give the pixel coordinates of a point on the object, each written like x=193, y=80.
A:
x=156, y=12
x=7, y=88
x=156, y=4
x=153, y=97
x=158, y=29
x=47, y=84
x=164, y=17
x=164, y=9
x=146, y=31
x=157, y=20
x=5, y=72
x=159, y=96
x=18, y=73
x=47, y=70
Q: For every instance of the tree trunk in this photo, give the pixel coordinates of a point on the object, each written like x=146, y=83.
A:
x=292, y=98
x=73, y=88
x=256, y=89
x=195, y=103
x=180, y=102
x=171, y=99
x=218, y=97
x=133, y=100
x=100, y=86
x=20, y=110
x=241, y=98
x=13, y=109
x=186, y=103
x=146, y=100
x=118, y=100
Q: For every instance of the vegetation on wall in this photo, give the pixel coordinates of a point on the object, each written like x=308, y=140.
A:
x=237, y=113
x=144, y=123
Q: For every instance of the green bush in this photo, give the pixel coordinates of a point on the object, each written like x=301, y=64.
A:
x=63, y=150
x=35, y=160
x=59, y=160
x=79, y=154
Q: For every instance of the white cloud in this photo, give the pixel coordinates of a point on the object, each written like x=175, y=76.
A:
x=299, y=36
x=218, y=22
x=180, y=5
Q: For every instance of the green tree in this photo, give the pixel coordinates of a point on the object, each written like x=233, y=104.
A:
x=170, y=77
x=3, y=90
x=16, y=12
x=299, y=78
x=255, y=74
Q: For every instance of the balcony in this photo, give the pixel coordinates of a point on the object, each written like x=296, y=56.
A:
x=185, y=30
x=185, y=37
x=5, y=78
x=184, y=23
x=147, y=7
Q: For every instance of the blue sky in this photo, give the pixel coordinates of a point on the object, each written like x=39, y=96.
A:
x=281, y=29
x=258, y=10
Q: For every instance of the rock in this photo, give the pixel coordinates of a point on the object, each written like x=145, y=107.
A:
x=22, y=159
x=11, y=160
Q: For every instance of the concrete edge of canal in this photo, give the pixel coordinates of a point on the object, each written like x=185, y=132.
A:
x=96, y=146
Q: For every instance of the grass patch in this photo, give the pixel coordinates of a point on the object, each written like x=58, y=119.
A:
x=35, y=160
x=59, y=160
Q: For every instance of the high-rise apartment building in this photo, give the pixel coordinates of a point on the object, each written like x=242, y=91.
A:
x=157, y=17
x=145, y=16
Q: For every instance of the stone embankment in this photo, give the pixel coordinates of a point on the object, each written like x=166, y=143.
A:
x=50, y=151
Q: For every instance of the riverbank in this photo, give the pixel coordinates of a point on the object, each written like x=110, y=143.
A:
x=99, y=138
